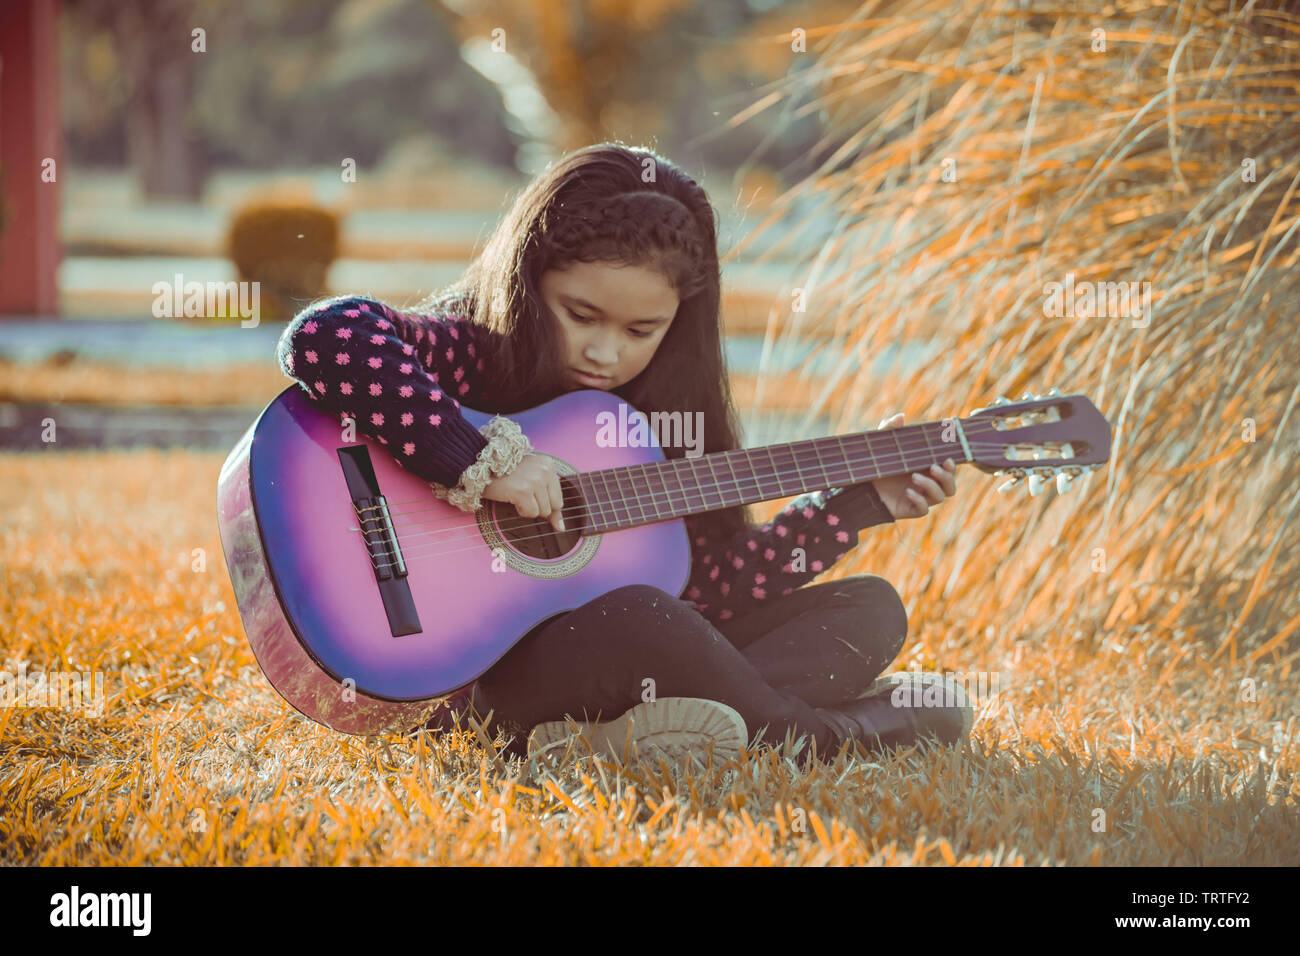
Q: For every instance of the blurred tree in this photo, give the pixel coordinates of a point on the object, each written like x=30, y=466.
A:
x=308, y=82
x=672, y=74
x=152, y=46
x=283, y=83
x=606, y=67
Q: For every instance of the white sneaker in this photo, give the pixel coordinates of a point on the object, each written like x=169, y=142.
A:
x=671, y=726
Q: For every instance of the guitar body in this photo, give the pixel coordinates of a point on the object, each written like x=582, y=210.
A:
x=364, y=642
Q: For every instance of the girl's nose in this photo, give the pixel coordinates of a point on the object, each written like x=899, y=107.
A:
x=602, y=354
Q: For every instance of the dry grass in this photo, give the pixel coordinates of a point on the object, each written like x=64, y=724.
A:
x=246, y=383
x=1117, y=166
x=196, y=759
x=107, y=383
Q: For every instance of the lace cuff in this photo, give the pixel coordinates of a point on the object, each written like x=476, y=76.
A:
x=507, y=445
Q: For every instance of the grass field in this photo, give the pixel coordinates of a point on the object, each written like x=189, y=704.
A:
x=196, y=760
x=254, y=384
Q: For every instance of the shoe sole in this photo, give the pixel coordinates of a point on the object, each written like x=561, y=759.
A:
x=883, y=686
x=671, y=726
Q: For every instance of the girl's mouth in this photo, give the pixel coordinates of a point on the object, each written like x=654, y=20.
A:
x=592, y=380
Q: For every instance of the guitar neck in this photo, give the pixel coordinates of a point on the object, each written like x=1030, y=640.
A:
x=634, y=495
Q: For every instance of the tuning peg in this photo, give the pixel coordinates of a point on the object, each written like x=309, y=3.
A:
x=1027, y=397
x=1036, y=483
x=1063, y=482
x=1008, y=485
x=1053, y=392
x=1001, y=400
x=1017, y=475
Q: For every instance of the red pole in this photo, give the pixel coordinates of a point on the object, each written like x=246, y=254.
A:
x=29, y=140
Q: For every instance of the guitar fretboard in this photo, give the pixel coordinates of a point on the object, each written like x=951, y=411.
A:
x=634, y=495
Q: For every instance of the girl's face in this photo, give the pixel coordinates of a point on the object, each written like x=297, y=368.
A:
x=611, y=319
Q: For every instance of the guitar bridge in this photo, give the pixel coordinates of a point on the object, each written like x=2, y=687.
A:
x=381, y=539
x=380, y=536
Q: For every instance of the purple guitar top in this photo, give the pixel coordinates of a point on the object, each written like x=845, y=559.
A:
x=402, y=376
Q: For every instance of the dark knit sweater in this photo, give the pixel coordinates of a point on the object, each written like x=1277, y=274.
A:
x=402, y=376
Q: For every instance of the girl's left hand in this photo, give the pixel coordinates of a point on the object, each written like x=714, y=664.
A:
x=910, y=496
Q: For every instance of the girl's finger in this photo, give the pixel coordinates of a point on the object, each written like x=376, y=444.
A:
x=920, y=501
x=945, y=480
x=933, y=493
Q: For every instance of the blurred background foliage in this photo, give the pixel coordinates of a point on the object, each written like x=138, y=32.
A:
x=298, y=83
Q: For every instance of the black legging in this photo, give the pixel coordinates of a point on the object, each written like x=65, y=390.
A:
x=820, y=645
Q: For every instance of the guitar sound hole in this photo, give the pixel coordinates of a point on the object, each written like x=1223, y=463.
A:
x=537, y=537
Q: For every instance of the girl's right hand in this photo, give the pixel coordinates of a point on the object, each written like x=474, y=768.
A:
x=533, y=488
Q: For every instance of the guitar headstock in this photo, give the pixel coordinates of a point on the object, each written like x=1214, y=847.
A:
x=1039, y=438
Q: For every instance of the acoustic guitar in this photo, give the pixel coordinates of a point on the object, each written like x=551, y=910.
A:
x=366, y=598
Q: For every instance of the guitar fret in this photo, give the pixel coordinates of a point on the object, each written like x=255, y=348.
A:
x=614, y=497
x=695, y=483
x=848, y=467
x=596, y=520
x=901, y=453
x=821, y=464
x=621, y=491
x=636, y=500
x=799, y=468
x=875, y=464
x=794, y=463
x=597, y=499
x=686, y=504
x=925, y=433
x=714, y=475
x=735, y=479
x=645, y=498
x=650, y=482
x=752, y=468
x=663, y=469
x=776, y=471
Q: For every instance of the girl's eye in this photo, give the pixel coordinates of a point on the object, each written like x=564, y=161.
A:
x=584, y=319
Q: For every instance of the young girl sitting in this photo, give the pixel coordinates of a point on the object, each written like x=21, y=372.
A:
x=605, y=274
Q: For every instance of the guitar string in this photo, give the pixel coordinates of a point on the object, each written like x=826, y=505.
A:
x=474, y=536
x=889, y=459
x=664, y=496
x=924, y=446
x=470, y=525
x=974, y=428
x=456, y=522
x=593, y=477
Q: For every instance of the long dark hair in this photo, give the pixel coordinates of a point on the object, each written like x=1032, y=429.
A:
x=623, y=205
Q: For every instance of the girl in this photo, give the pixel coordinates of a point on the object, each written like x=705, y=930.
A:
x=604, y=274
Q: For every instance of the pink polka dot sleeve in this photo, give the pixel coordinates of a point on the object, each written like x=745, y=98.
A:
x=400, y=376
x=804, y=539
